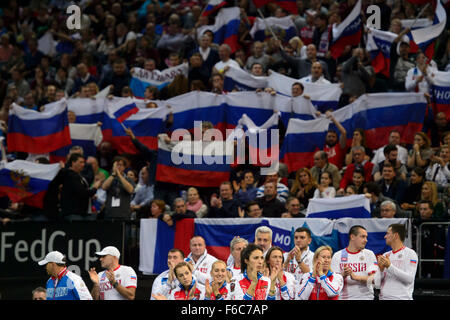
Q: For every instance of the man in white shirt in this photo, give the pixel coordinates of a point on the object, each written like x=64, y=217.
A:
x=200, y=259
x=299, y=260
x=394, y=138
x=357, y=266
x=167, y=280
x=116, y=282
x=316, y=75
x=225, y=60
x=397, y=268
x=420, y=78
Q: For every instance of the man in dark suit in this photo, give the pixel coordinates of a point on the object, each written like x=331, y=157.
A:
x=210, y=56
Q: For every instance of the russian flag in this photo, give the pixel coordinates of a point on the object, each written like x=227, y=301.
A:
x=379, y=113
x=263, y=144
x=226, y=27
x=440, y=93
x=87, y=136
x=376, y=230
x=303, y=138
x=194, y=163
x=348, y=32
x=425, y=37
x=88, y=110
x=212, y=6
x=157, y=238
x=284, y=28
x=26, y=181
x=38, y=132
x=288, y=5
x=121, y=109
x=198, y=106
x=323, y=96
x=257, y=106
x=141, y=78
x=237, y=78
x=146, y=124
x=379, y=46
x=355, y=206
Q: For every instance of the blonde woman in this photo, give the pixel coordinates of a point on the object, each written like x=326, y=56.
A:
x=322, y=283
x=430, y=193
x=195, y=204
x=218, y=288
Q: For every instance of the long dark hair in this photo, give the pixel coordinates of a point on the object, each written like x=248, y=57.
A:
x=245, y=254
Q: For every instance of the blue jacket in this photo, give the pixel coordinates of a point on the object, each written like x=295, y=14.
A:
x=67, y=286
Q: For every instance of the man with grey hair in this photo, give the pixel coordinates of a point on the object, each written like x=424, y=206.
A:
x=263, y=238
x=39, y=293
x=225, y=60
x=259, y=56
x=321, y=164
x=388, y=209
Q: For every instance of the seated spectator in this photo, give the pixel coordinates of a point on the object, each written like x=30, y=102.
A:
x=420, y=154
x=272, y=207
x=373, y=192
x=304, y=186
x=359, y=139
x=325, y=188
x=388, y=209
x=350, y=190
x=226, y=206
x=358, y=180
x=180, y=212
x=439, y=168
x=293, y=209
x=391, y=156
x=321, y=164
x=391, y=186
x=414, y=189
x=359, y=161
x=253, y=210
x=195, y=204
x=246, y=188
x=282, y=190
x=439, y=127
x=394, y=138
x=426, y=209
x=430, y=193
x=157, y=209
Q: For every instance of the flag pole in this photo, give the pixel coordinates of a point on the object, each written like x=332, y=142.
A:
x=268, y=27
x=420, y=14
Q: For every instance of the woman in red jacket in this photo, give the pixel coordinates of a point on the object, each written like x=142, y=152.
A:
x=322, y=283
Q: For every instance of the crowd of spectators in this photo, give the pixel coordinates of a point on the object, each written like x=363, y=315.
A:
x=400, y=180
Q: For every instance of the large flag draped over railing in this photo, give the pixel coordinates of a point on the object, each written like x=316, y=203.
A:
x=355, y=206
x=157, y=238
x=38, y=132
x=194, y=163
x=26, y=181
x=241, y=80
